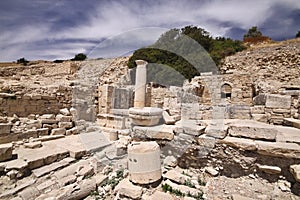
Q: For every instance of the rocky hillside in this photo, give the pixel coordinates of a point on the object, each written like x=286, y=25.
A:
x=272, y=66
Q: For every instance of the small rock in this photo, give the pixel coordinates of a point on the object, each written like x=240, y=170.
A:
x=211, y=171
x=269, y=169
x=170, y=161
x=64, y=111
x=33, y=145
x=295, y=170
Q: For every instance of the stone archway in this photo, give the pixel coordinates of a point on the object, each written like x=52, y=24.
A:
x=226, y=91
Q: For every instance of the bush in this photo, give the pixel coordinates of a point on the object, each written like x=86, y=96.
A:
x=255, y=36
x=22, y=61
x=298, y=34
x=79, y=57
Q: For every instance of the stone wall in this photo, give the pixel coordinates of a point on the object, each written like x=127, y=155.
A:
x=24, y=105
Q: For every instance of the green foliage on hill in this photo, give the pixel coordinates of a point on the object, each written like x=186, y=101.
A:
x=189, y=50
x=298, y=34
x=79, y=57
x=22, y=61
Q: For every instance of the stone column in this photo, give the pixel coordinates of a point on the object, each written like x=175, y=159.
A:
x=140, y=84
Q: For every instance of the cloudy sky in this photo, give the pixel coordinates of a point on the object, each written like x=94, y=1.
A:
x=59, y=29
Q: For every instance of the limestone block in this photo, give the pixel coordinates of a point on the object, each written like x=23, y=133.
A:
x=239, y=197
x=260, y=117
x=63, y=118
x=252, y=129
x=295, y=170
x=65, y=125
x=189, y=127
x=168, y=119
x=47, y=116
x=33, y=145
x=292, y=122
x=211, y=171
x=162, y=132
x=83, y=189
x=241, y=143
x=278, y=101
x=42, y=131
x=257, y=109
x=49, y=121
x=58, y=131
x=206, y=141
x=170, y=161
x=65, y=111
x=278, y=149
x=85, y=171
x=269, y=169
x=260, y=99
x=67, y=180
x=5, y=129
x=72, y=131
x=127, y=189
x=158, y=195
x=176, y=176
x=216, y=131
x=144, y=162
x=5, y=151
x=30, y=192
x=183, y=188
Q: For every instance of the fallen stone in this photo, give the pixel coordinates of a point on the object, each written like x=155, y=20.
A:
x=65, y=111
x=216, y=131
x=211, y=171
x=17, y=188
x=52, y=167
x=67, y=180
x=47, y=138
x=183, y=188
x=127, y=189
x=5, y=129
x=45, y=185
x=72, y=131
x=17, y=164
x=157, y=195
x=162, y=132
x=58, y=131
x=176, y=176
x=85, y=171
x=278, y=149
x=241, y=143
x=252, y=129
x=239, y=197
x=292, y=122
x=189, y=127
x=6, y=151
x=70, y=170
x=33, y=145
x=65, y=125
x=269, y=169
x=257, y=110
x=47, y=116
x=295, y=170
x=168, y=119
x=206, y=141
x=100, y=178
x=170, y=161
x=29, y=193
x=260, y=117
x=49, y=121
x=77, y=190
x=42, y=131
x=63, y=118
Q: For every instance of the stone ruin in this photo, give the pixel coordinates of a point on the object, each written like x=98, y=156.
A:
x=219, y=136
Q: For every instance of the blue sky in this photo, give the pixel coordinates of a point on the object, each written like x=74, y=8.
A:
x=59, y=29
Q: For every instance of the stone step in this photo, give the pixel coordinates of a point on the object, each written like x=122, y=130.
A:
x=288, y=134
x=52, y=167
x=292, y=122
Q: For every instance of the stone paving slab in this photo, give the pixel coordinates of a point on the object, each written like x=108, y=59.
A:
x=288, y=134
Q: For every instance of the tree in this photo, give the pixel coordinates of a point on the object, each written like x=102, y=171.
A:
x=255, y=36
x=22, y=61
x=298, y=34
x=79, y=57
x=253, y=32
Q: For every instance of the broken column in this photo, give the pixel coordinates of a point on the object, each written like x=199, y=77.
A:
x=140, y=84
x=139, y=114
x=144, y=162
